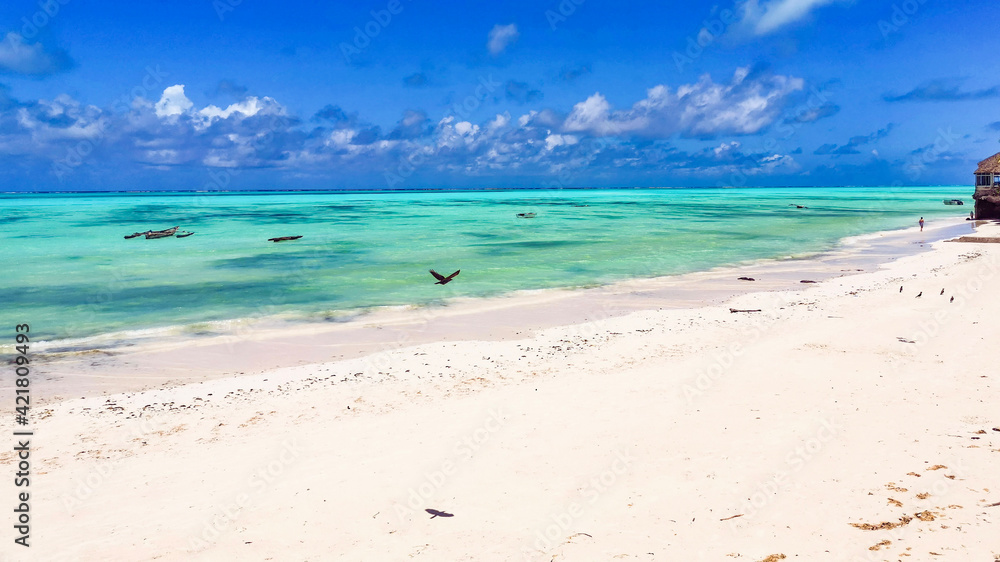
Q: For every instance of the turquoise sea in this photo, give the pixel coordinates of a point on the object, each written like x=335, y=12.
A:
x=69, y=272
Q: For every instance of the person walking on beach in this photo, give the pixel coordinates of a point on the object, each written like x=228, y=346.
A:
x=921, y=224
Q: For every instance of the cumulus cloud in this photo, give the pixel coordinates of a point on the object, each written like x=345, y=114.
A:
x=335, y=115
x=173, y=102
x=32, y=59
x=412, y=125
x=500, y=37
x=747, y=104
x=172, y=131
x=763, y=18
x=247, y=108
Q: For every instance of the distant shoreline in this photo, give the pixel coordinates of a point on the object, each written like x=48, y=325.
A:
x=464, y=189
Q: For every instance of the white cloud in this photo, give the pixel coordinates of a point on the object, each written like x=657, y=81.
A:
x=726, y=149
x=246, y=108
x=500, y=37
x=554, y=140
x=173, y=102
x=743, y=106
x=767, y=17
x=19, y=57
x=61, y=119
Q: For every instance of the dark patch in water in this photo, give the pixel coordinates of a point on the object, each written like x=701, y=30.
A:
x=291, y=261
x=10, y=219
x=537, y=244
x=150, y=298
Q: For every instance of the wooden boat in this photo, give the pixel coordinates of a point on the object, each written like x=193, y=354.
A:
x=953, y=202
x=184, y=234
x=135, y=234
x=283, y=238
x=526, y=215
x=154, y=234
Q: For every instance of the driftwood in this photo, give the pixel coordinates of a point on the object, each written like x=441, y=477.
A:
x=735, y=310
x=746, y=278
x=731, y=517
x=807, y=281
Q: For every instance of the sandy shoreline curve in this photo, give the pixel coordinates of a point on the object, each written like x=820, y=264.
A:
x=851, y=419
x=163, y=357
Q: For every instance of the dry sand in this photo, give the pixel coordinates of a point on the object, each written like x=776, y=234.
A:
x=845, y=421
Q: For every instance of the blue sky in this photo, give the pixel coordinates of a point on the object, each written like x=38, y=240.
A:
x=255, y=94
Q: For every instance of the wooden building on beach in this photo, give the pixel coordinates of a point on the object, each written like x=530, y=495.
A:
x=987, y=193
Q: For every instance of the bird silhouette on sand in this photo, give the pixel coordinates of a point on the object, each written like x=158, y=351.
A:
x=942, y=291
x=900, y=288
x=920, y=294
x=441, y=279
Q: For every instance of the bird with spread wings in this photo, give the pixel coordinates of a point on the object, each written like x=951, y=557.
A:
x=441, y=279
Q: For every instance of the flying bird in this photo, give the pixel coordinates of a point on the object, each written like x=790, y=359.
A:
x=920, y=294
x=441, y=279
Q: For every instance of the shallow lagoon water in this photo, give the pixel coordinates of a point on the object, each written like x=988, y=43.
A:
x=71, y=274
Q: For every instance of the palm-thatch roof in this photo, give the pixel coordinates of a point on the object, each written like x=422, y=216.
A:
x=990, y=166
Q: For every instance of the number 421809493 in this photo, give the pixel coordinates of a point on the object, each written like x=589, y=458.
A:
x=23, y=400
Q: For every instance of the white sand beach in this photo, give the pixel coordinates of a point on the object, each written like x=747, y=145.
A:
x=844, y=421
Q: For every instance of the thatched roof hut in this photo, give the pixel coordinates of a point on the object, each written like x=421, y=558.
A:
x=987, y=194
x=990, y=166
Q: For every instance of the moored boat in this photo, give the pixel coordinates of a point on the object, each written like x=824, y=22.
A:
x=154, y=234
